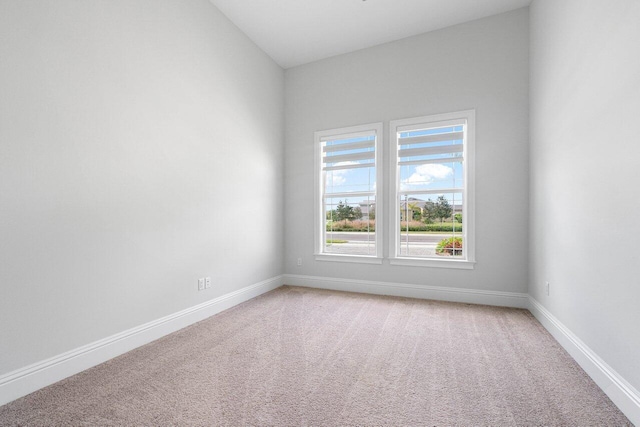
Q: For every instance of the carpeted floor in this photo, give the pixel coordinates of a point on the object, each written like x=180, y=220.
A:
x=299, y=356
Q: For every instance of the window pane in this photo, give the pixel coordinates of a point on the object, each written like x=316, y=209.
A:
x=433, y=158
x=350, y=180
x=350, y=226
x=431, y=225
x=349, y=164
x=347, y=171
x=431, y=176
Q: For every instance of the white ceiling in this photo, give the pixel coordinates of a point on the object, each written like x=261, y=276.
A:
x=295, y=32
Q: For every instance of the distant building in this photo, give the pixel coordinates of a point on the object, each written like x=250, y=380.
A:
x=367, y=207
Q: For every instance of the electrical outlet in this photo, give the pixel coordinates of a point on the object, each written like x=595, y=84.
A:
x=546, y=285
x=201, y=283
x=207, y=282
x=299, y=262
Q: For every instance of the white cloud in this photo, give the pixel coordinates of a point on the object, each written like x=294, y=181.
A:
x=337, y=177
x=333, y=179
x=426, y=174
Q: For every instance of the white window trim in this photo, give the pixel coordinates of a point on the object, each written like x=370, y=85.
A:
x=362, y=259
x=468, y=215
x=319, y=224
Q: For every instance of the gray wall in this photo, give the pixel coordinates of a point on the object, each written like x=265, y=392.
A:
x=585, y=105
x=481, y=65
x=139, y=143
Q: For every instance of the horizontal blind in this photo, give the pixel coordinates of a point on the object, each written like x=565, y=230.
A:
x=349, y=151
x=431, y=144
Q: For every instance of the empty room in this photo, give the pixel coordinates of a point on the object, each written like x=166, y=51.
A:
x=342, y=212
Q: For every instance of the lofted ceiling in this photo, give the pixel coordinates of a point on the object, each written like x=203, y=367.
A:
x=295, y=32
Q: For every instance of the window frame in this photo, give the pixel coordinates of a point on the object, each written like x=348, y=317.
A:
x=468, y=192
x=319, y=215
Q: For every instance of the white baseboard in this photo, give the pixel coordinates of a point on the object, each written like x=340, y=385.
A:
x=623, y=394
x=472, y=296
x=38, y=375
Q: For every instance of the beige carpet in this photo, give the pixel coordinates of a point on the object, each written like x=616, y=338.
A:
x=300, y=356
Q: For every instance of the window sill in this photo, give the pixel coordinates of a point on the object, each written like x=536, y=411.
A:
x=362, y=259
x=459, y=264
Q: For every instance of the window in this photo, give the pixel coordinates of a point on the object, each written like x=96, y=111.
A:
x=431, y=209
x=348, y=175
